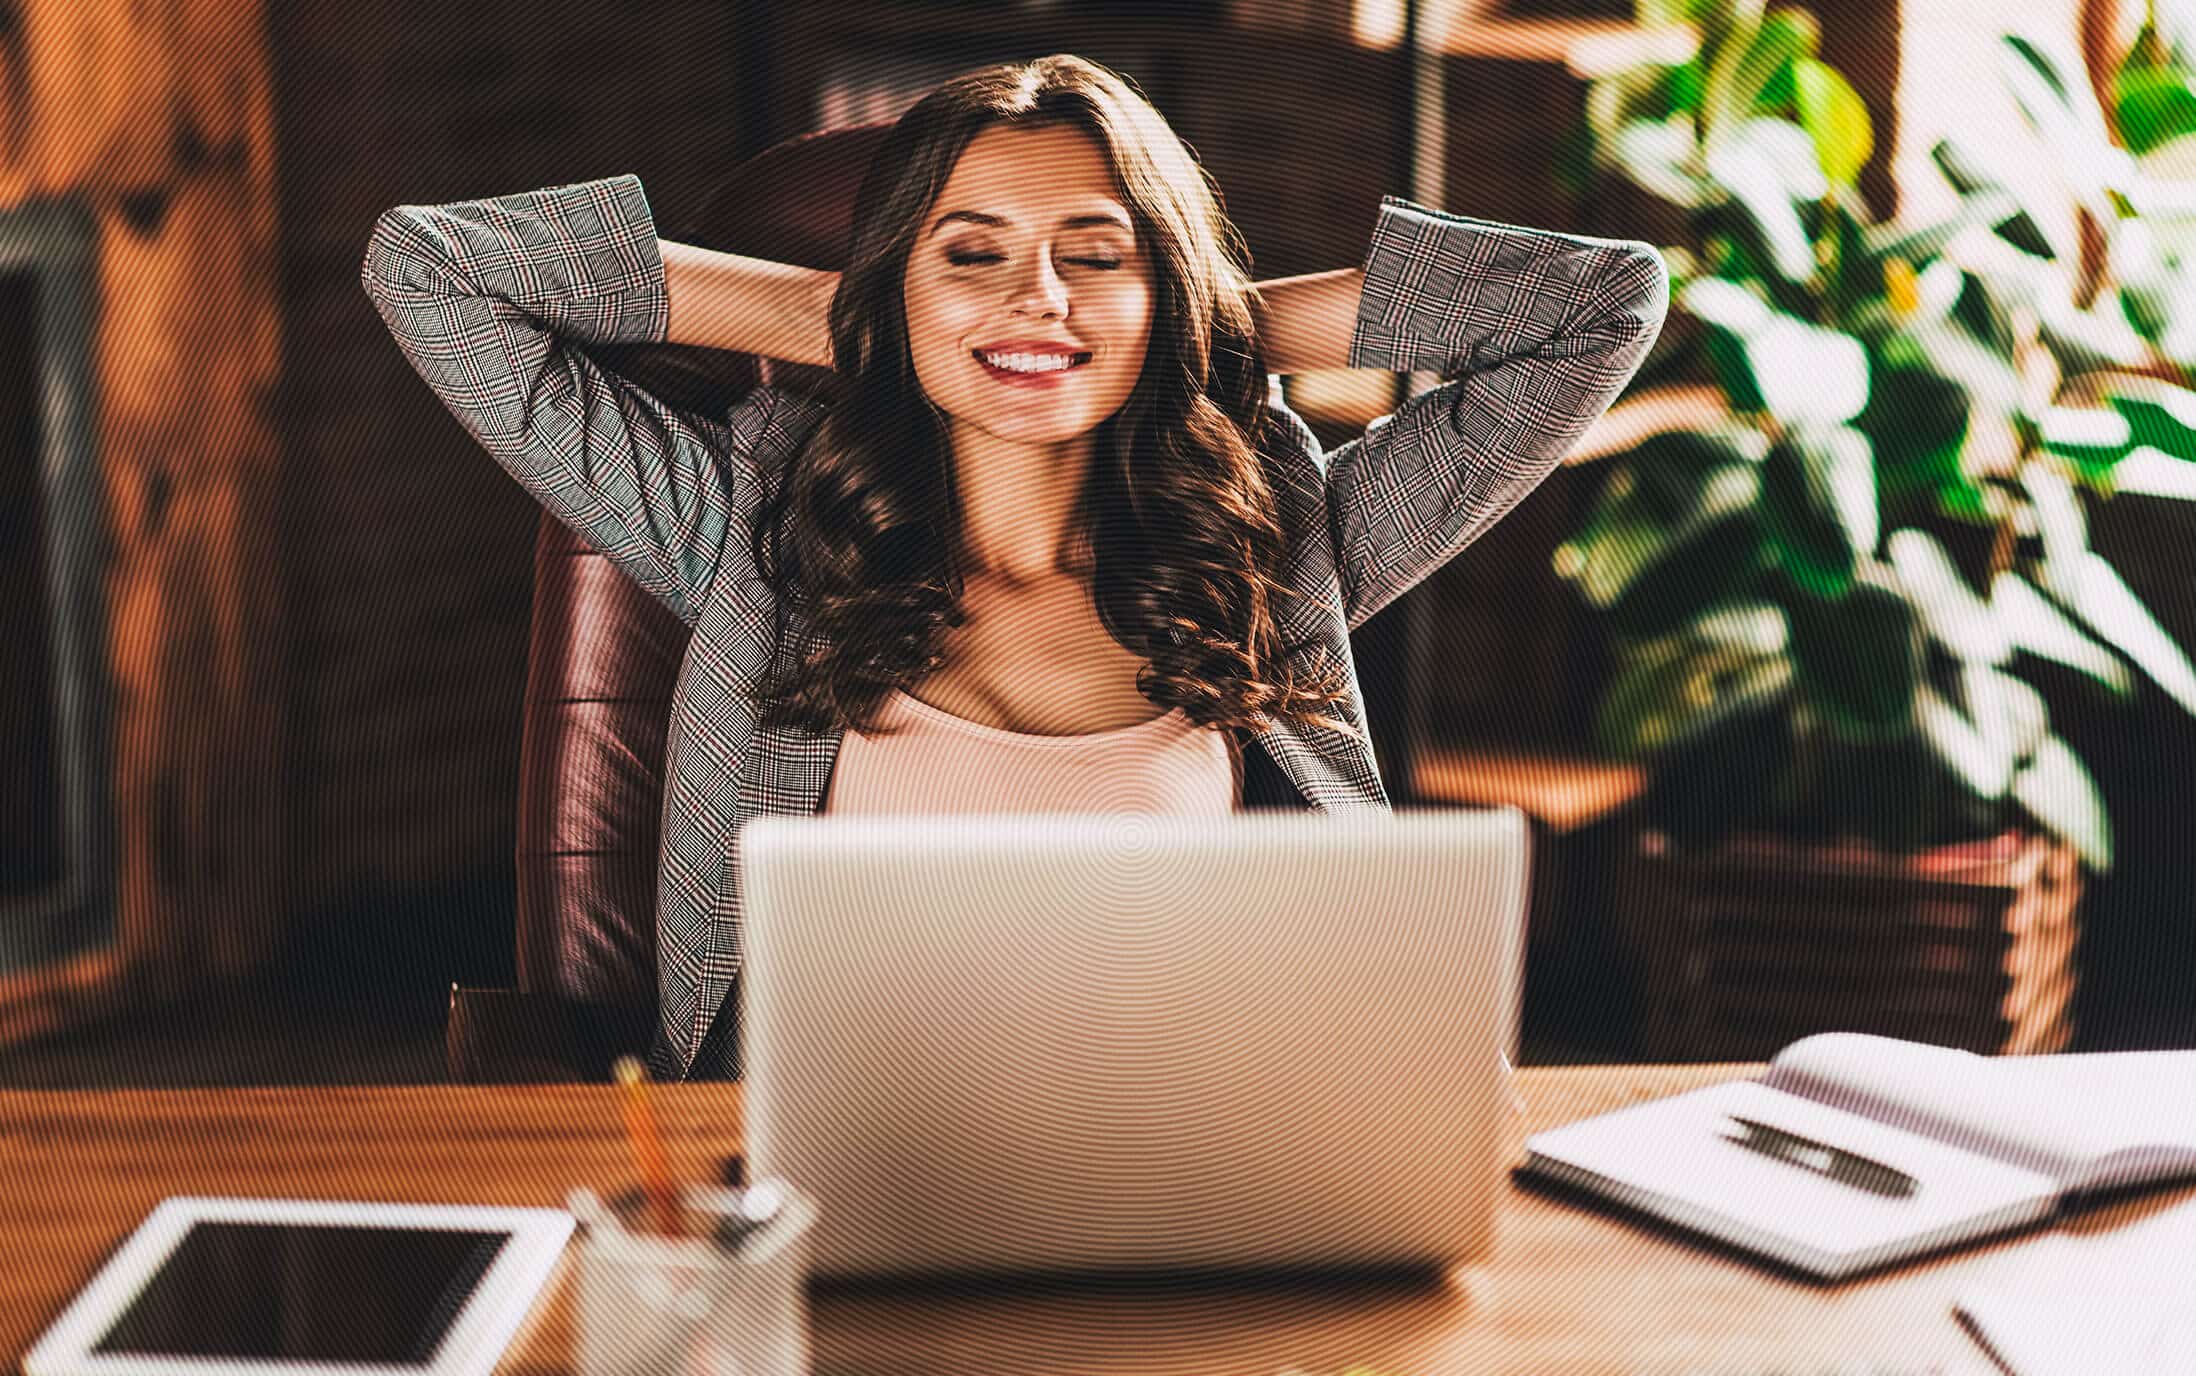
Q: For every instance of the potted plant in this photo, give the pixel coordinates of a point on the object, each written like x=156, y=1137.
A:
x=1823, y=612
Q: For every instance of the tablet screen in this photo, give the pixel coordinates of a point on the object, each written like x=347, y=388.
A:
x=305, y=1292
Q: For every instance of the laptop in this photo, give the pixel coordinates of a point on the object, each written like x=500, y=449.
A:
x=1075, y=1043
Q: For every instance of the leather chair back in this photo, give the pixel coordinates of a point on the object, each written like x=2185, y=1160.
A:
x=601, y=669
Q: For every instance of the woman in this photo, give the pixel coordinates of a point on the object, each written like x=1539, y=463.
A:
x=1050, y=545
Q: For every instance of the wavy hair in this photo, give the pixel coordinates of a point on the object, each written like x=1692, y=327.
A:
x=1180, y=538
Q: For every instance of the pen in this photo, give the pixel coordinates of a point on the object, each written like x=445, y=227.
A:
x=640, y=1130
x=1837, y=1163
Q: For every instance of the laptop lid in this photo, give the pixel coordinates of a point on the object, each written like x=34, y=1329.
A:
x=1103, y=1041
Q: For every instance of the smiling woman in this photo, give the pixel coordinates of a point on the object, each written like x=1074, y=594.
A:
x=1001, y=583
x=1013, y=218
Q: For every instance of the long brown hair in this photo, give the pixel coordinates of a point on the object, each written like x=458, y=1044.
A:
x=1183, y=547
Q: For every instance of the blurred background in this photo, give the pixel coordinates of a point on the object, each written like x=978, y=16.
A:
x=1841, y=669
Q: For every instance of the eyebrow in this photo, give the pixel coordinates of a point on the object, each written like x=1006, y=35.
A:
x=1070, y=222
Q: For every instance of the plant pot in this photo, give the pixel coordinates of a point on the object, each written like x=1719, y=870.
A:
x=1767, y=939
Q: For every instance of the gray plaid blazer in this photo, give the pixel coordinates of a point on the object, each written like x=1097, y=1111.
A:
x=495, y=301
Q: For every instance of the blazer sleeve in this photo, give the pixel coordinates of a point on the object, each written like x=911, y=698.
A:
x=1533, y=333
x=493, y=303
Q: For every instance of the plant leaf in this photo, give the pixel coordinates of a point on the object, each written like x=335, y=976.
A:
x=1711, y=565
x=2158, y=414
x=1921, y=244
x=1835, y=117
x=2032, y=228
x=1950, y=610
x=1684, y=474
x=2041, y=629
x=1984, y=760
x=1790, y=151
x=1664, y=491
x=2002, y=705
x=2058, y=791
x=2063, y=111
x=1726, y=305
x=2062, y=526
x=2112, y=610
x=1755, y=184
x=2154, y=105
x=2155, y=473
x=1991, y=384
x=1818, y=506
x=1916, y=420
x=1858, y=660
x=1680, y=691
x=1808, y=375
x=2092, y=440
x=1751, y=55
x=1730, y=314
x=1653, y=154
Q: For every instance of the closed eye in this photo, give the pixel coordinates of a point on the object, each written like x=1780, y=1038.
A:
x=964, y=259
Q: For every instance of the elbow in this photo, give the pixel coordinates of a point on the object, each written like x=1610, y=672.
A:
x=376, y=266
x=1645, y=296
x=399, y=257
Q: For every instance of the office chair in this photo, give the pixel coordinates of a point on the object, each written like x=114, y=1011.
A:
x=602, y=664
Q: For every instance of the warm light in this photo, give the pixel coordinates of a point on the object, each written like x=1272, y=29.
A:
x=1377, y=23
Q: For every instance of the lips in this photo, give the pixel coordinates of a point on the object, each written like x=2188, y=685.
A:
x=1029, y=346
x=1043, y=378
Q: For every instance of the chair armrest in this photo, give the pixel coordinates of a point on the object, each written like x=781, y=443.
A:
x=504, y=1036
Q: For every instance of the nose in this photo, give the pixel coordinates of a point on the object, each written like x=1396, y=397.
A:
x=1039, y=288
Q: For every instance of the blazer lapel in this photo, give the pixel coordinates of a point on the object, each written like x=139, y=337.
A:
x=782, y=773
x=1332, y=771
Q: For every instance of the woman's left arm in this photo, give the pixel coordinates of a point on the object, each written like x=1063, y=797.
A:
x=1304, y=322
x=1534, y=334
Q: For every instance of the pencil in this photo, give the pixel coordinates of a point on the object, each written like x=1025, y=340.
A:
x=640, y=1130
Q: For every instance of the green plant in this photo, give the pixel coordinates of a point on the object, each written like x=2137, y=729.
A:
x=1821, y=610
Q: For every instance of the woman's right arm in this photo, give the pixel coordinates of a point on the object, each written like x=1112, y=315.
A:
x=493, y=302
x=749, y=305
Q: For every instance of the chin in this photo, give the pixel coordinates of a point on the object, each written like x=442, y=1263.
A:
x=1032, y=429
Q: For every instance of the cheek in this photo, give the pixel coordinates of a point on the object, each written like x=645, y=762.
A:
x=937, y=321
x=1130, y=326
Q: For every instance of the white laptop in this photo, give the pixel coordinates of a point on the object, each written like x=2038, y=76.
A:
x=1107, y=1042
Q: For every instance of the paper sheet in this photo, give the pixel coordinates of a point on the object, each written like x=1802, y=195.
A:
x=2094, y=1299
x=2080, y=1332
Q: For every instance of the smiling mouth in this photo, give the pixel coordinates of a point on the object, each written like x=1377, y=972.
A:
x=1074, y=361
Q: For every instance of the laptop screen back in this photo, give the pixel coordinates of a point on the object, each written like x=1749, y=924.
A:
x=1014, y=1043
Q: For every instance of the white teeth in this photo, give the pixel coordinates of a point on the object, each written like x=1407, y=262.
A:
x=1028, y=363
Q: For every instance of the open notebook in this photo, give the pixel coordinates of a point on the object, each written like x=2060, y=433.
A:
x=1855, y=1150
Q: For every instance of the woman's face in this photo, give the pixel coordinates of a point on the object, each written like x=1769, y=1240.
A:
x=1028, y=249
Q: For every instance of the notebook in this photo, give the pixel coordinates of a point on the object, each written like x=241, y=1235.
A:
x=1854, y=1151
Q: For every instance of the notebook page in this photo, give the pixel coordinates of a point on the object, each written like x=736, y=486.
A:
x=1953, y=1096
x=1671, y=1157
x=2146, y=1095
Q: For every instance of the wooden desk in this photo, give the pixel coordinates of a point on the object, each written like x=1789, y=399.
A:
x=1567, y=1290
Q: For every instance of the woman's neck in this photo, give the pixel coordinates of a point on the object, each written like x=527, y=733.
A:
x=1016, y=503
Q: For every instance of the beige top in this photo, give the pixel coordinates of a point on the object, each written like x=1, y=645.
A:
x=937, y=762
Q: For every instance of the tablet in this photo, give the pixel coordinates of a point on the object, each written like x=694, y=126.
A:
x=307, y=1287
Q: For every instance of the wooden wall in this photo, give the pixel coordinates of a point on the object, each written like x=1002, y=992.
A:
x=157, y=118
x=410, y=551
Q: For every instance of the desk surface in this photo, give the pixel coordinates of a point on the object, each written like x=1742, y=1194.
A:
x=1567, y=1290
